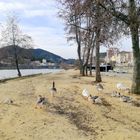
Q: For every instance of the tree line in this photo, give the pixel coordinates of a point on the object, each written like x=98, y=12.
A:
x=94, y=23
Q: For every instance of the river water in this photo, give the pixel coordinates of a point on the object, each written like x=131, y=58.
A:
x=4, y=74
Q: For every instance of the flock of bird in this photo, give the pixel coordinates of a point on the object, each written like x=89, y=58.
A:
x=93, y=99
x=41, y=101
x=99, y=88
x=90, y=98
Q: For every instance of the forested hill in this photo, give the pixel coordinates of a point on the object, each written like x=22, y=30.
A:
x=43, y=54
x=32, y=54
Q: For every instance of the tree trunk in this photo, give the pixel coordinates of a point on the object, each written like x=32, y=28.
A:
x=98, y=75
x=136, y=60
x=82, y=70
x=98, y=28
x=78, y=40
x=17, y=66
x=86, y=69
x=16, y=62
x=134, y=28
x=91, y=60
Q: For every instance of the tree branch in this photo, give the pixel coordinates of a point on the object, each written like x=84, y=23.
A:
x=117, y=14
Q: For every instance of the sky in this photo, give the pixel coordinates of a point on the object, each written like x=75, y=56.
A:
x=39, y=19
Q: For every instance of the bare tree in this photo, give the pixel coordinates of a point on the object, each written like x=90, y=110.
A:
x=78, y=27
x=127, y=12
x=12, y=36
x=87, y=21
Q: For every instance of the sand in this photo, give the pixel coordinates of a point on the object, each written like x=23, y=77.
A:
x=67, y=116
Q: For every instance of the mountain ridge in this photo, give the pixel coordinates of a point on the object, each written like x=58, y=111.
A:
x=31, y=53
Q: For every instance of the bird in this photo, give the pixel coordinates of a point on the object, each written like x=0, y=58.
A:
x=90, y=99
x=85, y=93
x=99, y=87
x=41, y=101
x=98, y=100
x=128, y=90
x=8, y=101
x=95, y=97
x=121, y=86
x=125, y=99
x=116, y=94
x=53, y=89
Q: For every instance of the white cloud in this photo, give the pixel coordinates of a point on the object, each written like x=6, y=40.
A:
x=51, y=40
x=49, y=35
x=41, y=12
x=4, y=6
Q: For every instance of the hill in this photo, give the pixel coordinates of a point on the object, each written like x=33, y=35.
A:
x=7, y=53
x=43, y=54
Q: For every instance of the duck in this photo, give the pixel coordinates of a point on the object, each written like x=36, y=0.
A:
x=41, y=101
x=53, y=89
x=98, y=100
x=116, y=94
x=124, y=98
x=95, y=97
x=99, y=87
x=90, y=99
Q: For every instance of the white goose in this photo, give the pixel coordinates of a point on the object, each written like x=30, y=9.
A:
x=121, y=86
x=8, y=101
x=85, y=93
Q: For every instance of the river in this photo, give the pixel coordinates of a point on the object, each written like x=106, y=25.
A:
x=4, y=74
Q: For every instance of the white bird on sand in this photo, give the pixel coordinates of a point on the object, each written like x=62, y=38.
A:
x=8, y=101
x=121, y=86
x=53, y=89
x=99, y=87
x=85, y=93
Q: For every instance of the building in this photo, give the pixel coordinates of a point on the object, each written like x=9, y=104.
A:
x=124, y=57
x=119, y=57
x=112, y=54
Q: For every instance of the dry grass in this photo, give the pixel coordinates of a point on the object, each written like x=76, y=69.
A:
x=67, y=116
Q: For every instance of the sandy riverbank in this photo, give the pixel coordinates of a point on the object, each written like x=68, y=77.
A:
x=67, y=116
